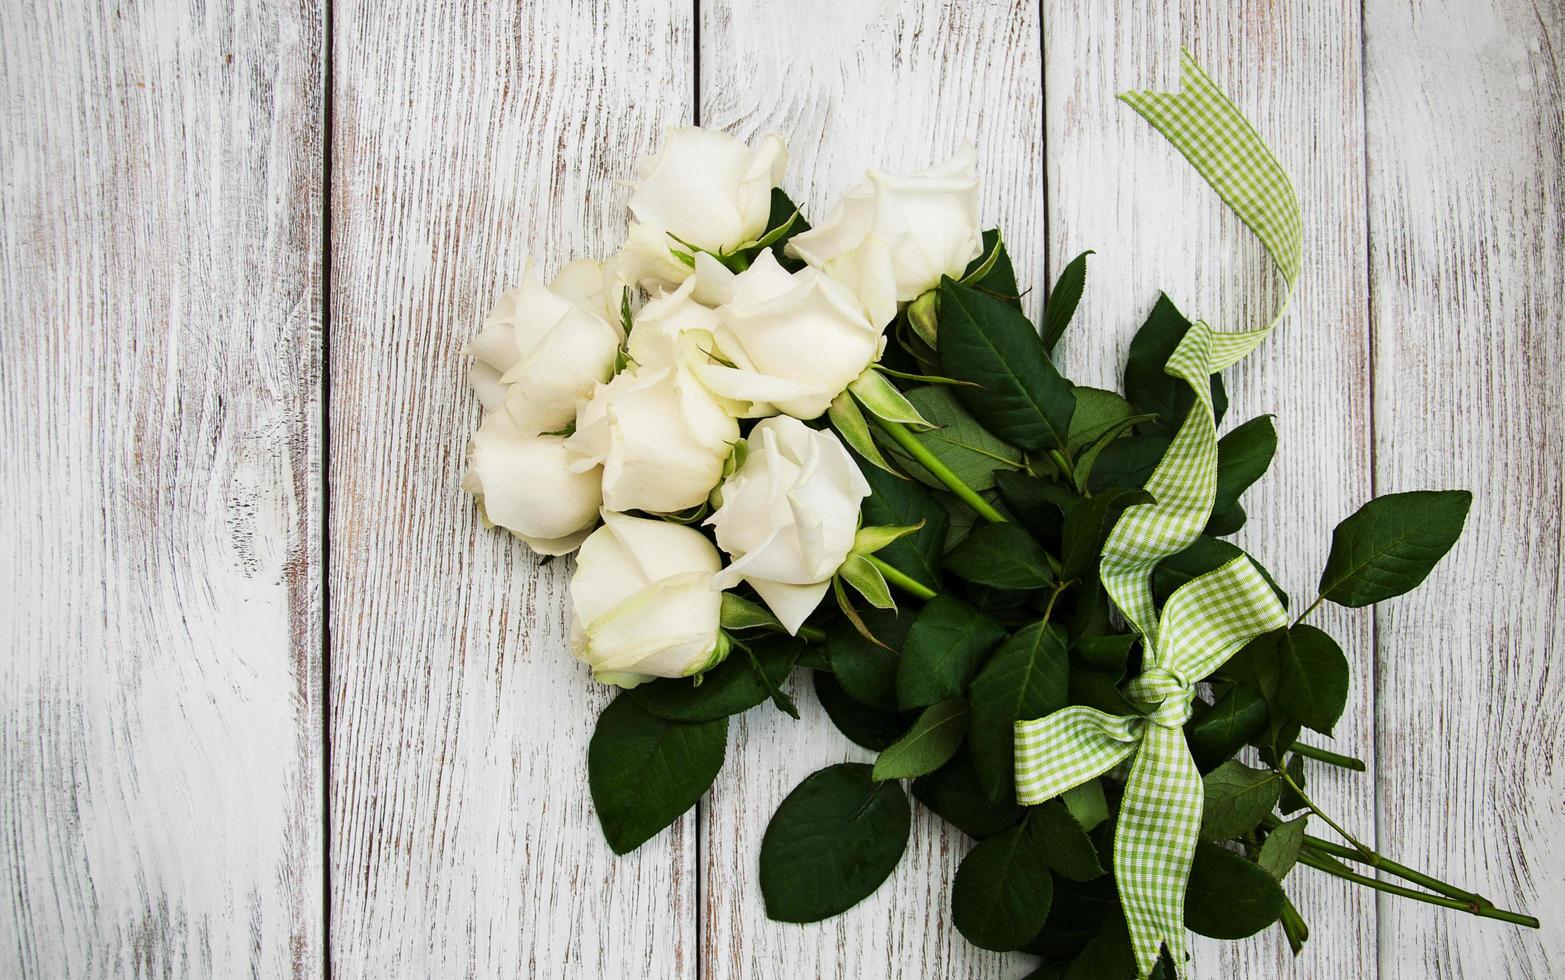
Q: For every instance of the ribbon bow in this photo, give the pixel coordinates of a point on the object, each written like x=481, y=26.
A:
x=1209, y=618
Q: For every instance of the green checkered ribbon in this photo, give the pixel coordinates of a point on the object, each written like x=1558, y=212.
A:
x=1209, y=618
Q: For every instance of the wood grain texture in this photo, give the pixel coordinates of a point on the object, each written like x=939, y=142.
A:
x=463, y=838
x=159, y=536
x=1467, y=187
x=1115, y=185
x=854, y=86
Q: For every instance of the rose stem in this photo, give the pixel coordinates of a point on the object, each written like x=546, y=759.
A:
x=1385, y=864
x=1484, y=911
x=1328, y=757
x=1362, y=854
x=903, y=581
x=941, y=471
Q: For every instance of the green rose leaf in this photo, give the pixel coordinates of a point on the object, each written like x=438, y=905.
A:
x=1001, y=556
x=870, y=727
x=868, y=671
x=1313, y=677
x=1000, y=898
x=972, y=452
x=1391, y=544
x=1228, y=897
x=1127, y=463
x=1027, y=677
x=831, y=843
x=1237, y=798
x=1280, y=850
x=1019, y=395
x=1148, y=386
x=954, y=793
x=644, y=771
x=1234, y=719
x=895, y=501
x=1097, y=411
x=1081, y=473
x=944, y=646
x=1061, y=305
x=928, y=745
x=1088, y=526
x=1033, y=502
x=727, y=689
x=1065, y=845
x=1243, y=456
x=999, y=280
x=1087, y=803
x=1108, y=652
x=1291, y=802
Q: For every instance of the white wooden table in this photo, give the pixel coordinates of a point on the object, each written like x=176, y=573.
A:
x=272, y=703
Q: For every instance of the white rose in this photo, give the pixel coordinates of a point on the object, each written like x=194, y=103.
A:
x=703, y=187
x=788, y=516
x=526, y=484
x=892, y=238
x=656, y=331
x=541, y=350
x=598, y=287
x=660, y=436
x=794, y=340
x=642, y=601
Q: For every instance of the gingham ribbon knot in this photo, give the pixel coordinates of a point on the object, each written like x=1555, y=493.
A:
x=1173, y=696
x=1209, y=618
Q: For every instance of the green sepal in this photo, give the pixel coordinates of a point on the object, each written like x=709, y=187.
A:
x=861, y=573
x=851, y=425
x=868, y=540
x=881, y=399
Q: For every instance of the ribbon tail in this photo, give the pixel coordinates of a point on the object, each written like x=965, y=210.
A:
x=1208, y=619
x=1154, y=845
x=1065, y=749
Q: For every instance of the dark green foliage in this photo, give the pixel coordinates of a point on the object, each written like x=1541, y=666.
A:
x=870, y=727
x=1391, y=544
x=1001, y=895
x=944, y=647
x=831, y=843
x=1148, y=386
x=1014, y=390
x=644, y=771
x=1028, y=677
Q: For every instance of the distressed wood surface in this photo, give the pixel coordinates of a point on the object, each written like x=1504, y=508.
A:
x=1467, y=186
x=854, y=86
x=160, y=696
x=1115, y=185
x=463, y=838
x=160, y=254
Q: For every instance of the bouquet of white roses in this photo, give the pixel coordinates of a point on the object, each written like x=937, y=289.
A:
x=844, y=447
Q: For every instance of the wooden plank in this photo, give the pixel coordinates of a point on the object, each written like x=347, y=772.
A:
x=853, y=86
x=1467, y=180
x=1116, y=186
x=463, y=839
x=160, y=709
